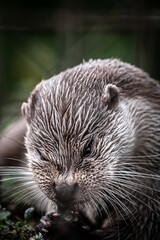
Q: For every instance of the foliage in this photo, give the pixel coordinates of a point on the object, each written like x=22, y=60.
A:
x=10, y=229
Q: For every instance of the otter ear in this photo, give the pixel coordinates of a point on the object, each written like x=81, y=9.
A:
x=110, y=95
x=25, y=110
x=28, y=109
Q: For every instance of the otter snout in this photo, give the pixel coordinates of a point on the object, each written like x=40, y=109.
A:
x=65, y=193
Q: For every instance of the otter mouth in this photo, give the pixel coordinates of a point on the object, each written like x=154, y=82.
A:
x=73, y=206
x=95, y=218
x=91, y=220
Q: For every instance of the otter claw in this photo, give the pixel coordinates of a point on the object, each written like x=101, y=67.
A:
x=55, y=214
x=42, y=221
x=46, y=223
x=44, y=230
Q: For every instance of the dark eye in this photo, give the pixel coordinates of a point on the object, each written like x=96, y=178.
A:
x=87, y=151
x=42, y=156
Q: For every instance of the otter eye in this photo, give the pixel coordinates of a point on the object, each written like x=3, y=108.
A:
x=87, y=151
x=42, y=156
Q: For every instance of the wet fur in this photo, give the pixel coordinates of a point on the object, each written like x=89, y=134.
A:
x=115, y=107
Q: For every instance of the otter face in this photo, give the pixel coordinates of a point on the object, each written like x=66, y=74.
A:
x=80, y=128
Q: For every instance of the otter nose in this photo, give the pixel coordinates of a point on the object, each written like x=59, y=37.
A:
x=65, y=193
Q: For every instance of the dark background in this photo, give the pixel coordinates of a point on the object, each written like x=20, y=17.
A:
x=41, y=38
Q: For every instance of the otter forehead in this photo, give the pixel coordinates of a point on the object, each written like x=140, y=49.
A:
x=80, y=102
x=94, y=75
x=83, y=85
x=65, y=115
x=71, y=99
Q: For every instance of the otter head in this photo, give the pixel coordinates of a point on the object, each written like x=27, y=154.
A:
x=79, y=127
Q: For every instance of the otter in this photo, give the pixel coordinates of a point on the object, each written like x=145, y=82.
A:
x=93, y=149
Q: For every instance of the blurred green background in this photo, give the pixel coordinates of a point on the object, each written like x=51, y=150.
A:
x=40, y=38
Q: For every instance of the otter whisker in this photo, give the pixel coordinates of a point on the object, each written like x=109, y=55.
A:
x=139, y=199
x=112, y=202
x=100, y=202
x=20, y=144
x=137, y=163
x=120, y=203
x=16, y=160
x=119, y=191
x=139, y=174
x=151, y=156
x=20, y=186
x=27, y=198
x=13, y=169
x=138, y=183
x=17, y=179
x=21, y=189
x=95, y=205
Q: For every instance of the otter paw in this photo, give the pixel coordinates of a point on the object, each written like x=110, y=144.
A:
x=46, y=225
x=62, y=227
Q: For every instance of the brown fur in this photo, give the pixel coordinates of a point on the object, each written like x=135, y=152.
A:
x=113, y=109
